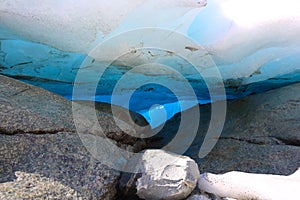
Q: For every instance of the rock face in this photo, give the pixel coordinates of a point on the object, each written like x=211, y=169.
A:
x=39, y=143
x=164, y=175
x=261, y=134
x=33, y=186
x=59, y=157
x=28, y=109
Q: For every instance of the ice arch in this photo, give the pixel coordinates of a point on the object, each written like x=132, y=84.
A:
x=255, y=44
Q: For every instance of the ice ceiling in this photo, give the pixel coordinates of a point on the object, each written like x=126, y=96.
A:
x=254, y=45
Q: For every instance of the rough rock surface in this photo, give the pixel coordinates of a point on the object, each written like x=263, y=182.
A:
x=261, y=134
x=198, y=194
x=198, y=197
x=25, y=108
x=201, y=197
x=164, y=175
x=60, y=157
x=33, y=186
x=38, y=140
x=29, y=109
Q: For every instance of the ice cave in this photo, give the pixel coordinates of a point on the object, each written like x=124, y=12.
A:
x=155, y=57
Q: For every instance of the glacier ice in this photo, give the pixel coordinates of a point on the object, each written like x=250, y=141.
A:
x=76, y=25
x=254, y=44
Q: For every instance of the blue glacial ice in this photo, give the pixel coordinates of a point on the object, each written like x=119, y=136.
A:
x=254, y=45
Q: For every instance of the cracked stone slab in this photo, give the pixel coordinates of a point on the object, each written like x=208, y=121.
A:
x=28, y=109
x=29, y=117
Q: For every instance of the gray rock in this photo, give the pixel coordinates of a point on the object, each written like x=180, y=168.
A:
x=29, y=109
x=59, y=158
x=261, y=134
x=127, y=185
x=164, y=175
x=34, y=186
x=25, y=108
x=38, y=136
x=199, y=197
x=198, y=194
x=124, y=127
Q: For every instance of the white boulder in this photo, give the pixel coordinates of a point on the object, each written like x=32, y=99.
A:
x=166, y=176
